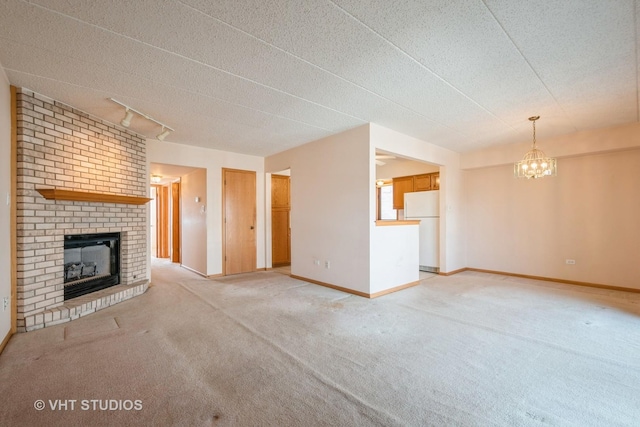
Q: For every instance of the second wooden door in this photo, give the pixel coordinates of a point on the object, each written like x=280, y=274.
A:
x=239, y=210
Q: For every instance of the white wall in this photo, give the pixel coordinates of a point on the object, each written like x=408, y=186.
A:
x=395, y=256
x=588, y=213
x=452, y=239
x=330, y=196
x=194, y=220
x=401, y=167
x=333, y=210
x=214, y=161
x=614, y=138
x=153, y=232
x=268, y=241
x=5, y=208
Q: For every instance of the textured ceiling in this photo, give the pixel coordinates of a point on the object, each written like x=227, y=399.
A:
x=261, y=76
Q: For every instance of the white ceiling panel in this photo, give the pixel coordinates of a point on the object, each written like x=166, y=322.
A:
x=581, y=50
x=343, y=46
x=259, y=77
x=462, y=44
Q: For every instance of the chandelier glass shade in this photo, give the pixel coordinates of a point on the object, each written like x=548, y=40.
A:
x=535, y=163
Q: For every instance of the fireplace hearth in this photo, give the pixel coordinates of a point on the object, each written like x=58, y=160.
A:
x=91, y=263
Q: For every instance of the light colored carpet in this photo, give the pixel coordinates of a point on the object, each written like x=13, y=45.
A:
x=264, y=349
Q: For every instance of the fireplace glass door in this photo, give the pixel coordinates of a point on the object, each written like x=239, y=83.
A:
x=91, y=263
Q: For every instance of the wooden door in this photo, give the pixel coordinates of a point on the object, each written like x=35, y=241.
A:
x=162, y=221
x=239, y=220
x=280, y=220
x=175, y=223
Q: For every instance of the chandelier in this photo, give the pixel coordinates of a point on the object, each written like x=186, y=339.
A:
x=535, y=163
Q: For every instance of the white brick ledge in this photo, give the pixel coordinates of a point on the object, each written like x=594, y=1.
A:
x=86, y=304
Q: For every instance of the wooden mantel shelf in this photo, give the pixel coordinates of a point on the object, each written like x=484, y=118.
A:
x=83, y=196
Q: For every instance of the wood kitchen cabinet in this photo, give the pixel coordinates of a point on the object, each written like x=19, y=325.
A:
x=435, y=181
x=280, y=192
x=401, y=185
x=408, y=184
x=422, y=182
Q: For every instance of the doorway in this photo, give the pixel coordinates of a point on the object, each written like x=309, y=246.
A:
x=162, y=221
x=165, y=221
x=398, y=176
x=239, y=221
x=175, y=223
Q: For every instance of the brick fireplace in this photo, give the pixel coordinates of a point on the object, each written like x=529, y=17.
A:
x=64, y=153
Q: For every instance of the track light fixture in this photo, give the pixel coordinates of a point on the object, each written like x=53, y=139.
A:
x=162, y=135
x=126, y=121
x=127, y=118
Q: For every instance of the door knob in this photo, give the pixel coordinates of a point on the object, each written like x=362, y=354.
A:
x=252, y=227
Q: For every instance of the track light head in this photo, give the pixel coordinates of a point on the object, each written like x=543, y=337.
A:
x=128, y=115
x=127, y=118
x=165, y=132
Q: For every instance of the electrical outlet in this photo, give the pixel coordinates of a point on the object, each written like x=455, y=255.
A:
x=570, y=261
x=5, y=303
x=327, y=264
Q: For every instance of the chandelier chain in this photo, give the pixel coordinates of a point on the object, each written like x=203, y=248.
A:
x=533, y=120
x=534, y=134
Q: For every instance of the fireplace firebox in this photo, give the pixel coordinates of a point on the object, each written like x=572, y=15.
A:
x=91, y=263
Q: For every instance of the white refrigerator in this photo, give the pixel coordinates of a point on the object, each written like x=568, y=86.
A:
x=425, y=206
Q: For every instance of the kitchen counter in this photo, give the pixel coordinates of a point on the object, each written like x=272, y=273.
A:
x=394, y=256
x=381, y=223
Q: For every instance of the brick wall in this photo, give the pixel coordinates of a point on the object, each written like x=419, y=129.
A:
x=61, y=147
